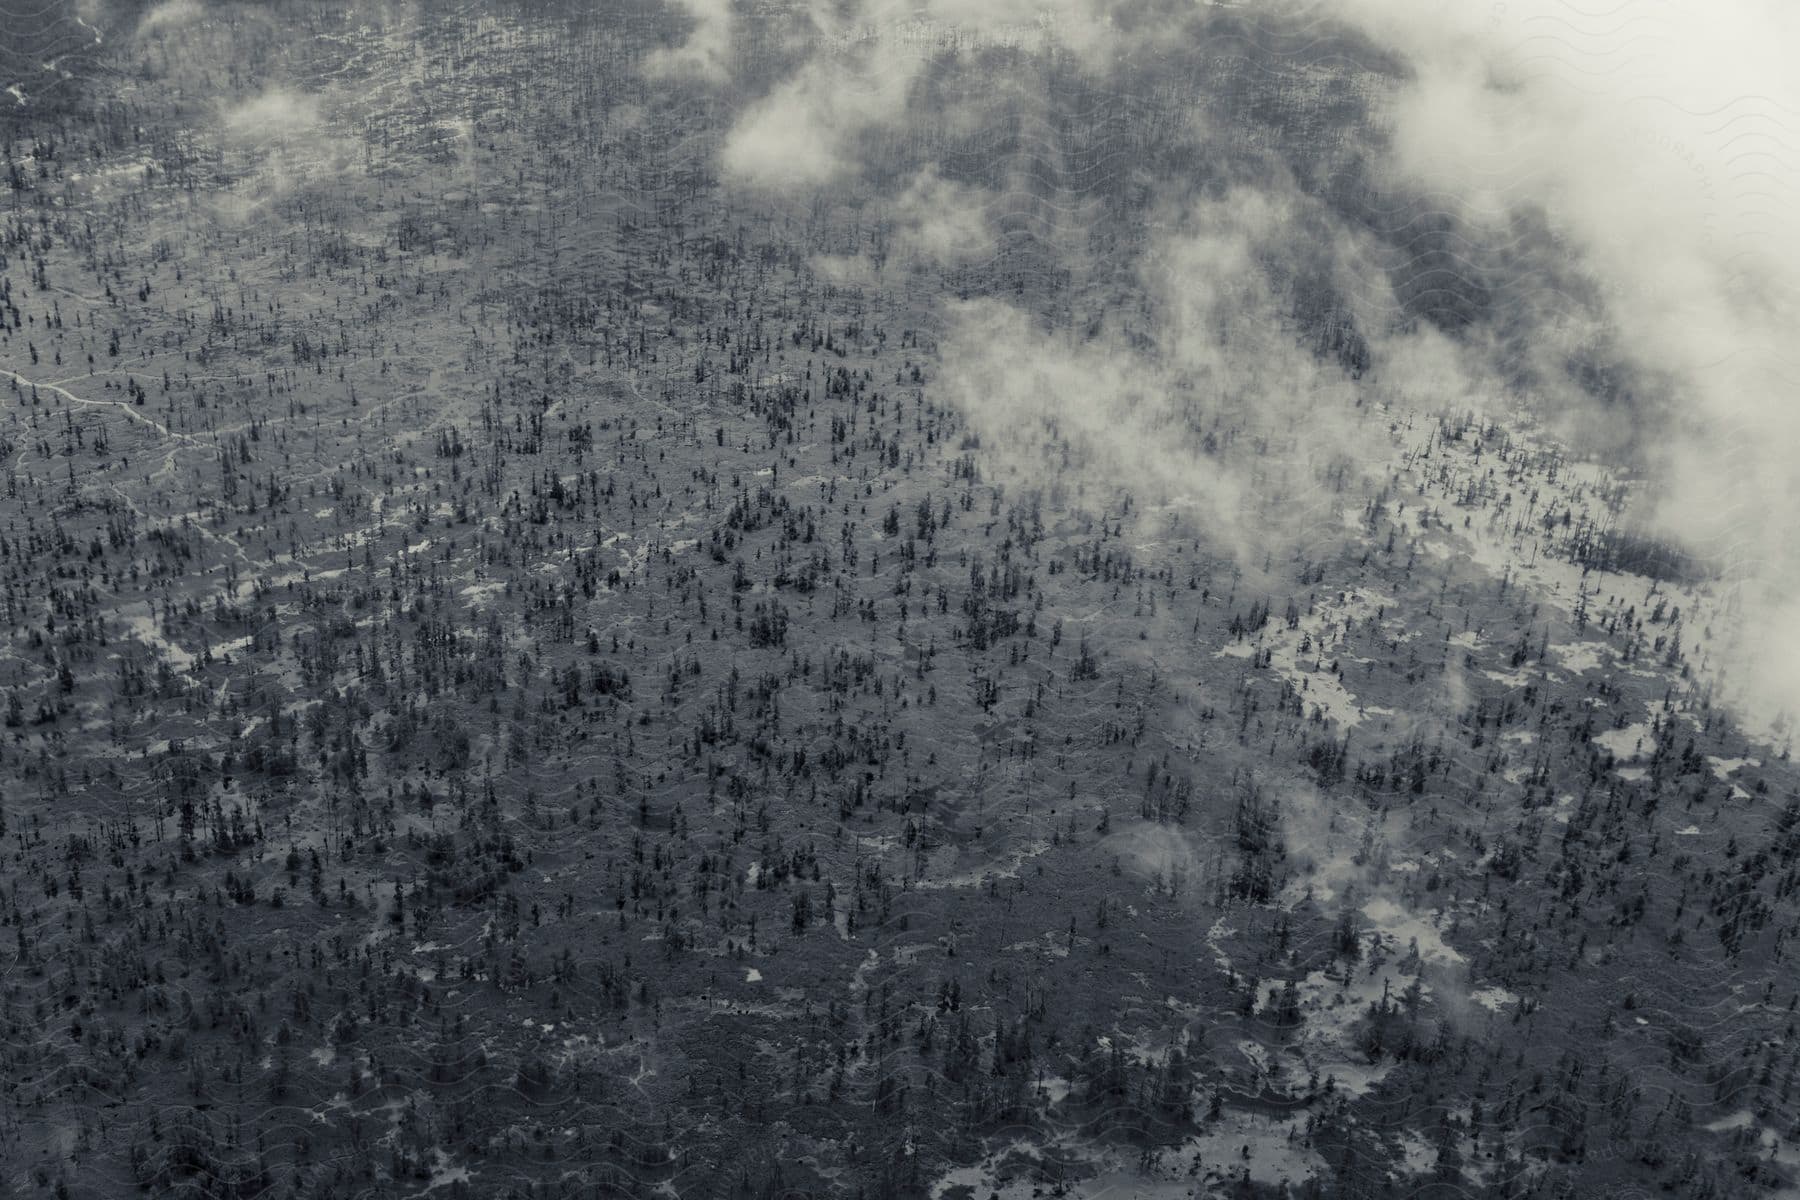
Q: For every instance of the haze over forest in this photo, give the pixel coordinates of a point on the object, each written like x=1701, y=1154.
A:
x=935, y=599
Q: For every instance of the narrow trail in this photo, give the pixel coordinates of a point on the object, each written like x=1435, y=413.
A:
x=130, y=410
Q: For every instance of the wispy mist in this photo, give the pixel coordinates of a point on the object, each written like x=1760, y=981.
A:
x=1654, y=144
x=1483, y=207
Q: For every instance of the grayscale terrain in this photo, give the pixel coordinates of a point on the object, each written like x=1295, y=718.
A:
x=949, y=599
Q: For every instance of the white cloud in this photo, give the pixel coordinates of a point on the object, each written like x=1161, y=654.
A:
x=801, y=135
x=940, y=222
x=170, y=14
x=1658, y=140
x=280, y=140
x=706, y=51
x=862, y=62
x=1208, y=410
x=277, y=112
x=1651, y=145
